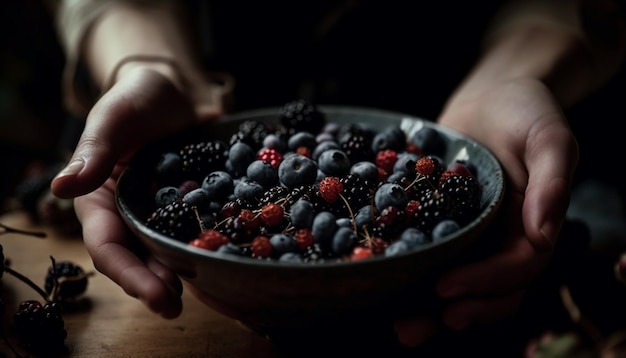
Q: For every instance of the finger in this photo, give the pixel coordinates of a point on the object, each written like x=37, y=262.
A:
x=139, y=108
x=552, y=156
x=112, y=257
x=412, y=332
x=509, y=270
x=461, y=314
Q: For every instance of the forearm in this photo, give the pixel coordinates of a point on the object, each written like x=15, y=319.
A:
x=571, y=53
x=129, y=30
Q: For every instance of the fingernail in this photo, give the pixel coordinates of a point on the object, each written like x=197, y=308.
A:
x=72, y=168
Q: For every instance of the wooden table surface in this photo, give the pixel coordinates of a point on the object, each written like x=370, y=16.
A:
x=108, y=323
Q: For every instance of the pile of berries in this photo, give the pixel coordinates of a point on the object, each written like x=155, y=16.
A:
x=38, y=324
x=304, y=189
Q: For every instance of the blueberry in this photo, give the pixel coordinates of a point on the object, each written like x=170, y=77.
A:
x=344, y=222
x=169, y=166
x=392, y=138
x=218, y=185
x=414, y=237
x=198, y=198
x=282, y=243
x=230, y=248
x=302, y=214
x=344, y=241
x=166, y=195
x=263, y=173
x=249, y=190
x=302, y=139
x=322, y=147
x=390, y=194
x=364, y=215
x=290, y=257
x=324, y=227
x=273, y=141
x=366, y=170
x=297, y=170
x=406, y=163
x=334, y=162
x=444, y=228
x=397, y=248
x=240, y=156
x=429, y=140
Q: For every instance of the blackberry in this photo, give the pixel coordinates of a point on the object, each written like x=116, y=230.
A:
x=177, y=220
x=357, y=191
x=357, y=144
x=274, y=195
x=40, y=327
x=301, y=116
x=252, y=133
x=313, y=253
x=434, y=207
x=200, y=159
x=71, y=279
x=465, y=193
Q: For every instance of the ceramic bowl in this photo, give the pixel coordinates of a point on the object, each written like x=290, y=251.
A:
x=277, y=296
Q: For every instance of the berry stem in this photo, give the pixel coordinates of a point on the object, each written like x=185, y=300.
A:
x=352, y=220
x=8, y=229
x=27, y=281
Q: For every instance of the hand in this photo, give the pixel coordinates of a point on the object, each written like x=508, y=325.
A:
x=521, y=123
x=143, y=105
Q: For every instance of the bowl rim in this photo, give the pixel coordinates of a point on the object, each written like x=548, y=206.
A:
x=138, y=227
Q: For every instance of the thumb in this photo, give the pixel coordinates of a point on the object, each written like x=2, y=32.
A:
x=136, y=110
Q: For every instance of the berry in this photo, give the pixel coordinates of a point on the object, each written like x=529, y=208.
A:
x=263, y=173
x=444, y=228
x=465, y=194
x=301, y=214
x=177, y=220
x=261, y=247
x=429, y=140
x=301, y=116
x=240, y=155
x=201, y=158
x=40, y=327
x=391, y=138
x=302, y=139
x=252, y=133
x=334, y=162
x=166, y=195
x=296, y=170
x=366, y=170
x=68, y=278
x=390, y=194
x=357, y=145
x=283, y=243
x=304, y=238
x=330, y=188
x=209, y=240
x=360, y=253
x=344, y=241
x=270, y=155
x=386, y=159
x=272, y=214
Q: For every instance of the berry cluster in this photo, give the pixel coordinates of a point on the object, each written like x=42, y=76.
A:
x=309, y=190
x=39, y=325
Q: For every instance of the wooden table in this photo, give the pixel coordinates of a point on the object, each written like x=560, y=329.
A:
x=110, y=323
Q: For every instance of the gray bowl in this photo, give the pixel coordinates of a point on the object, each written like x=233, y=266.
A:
x=277, y=296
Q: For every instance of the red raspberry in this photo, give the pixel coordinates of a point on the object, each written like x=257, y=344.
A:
x=360, y=253
x=378, y=245
x=445, y=175
x=304, y=151
x=248, y=219
x=411, y=208
x=304, y=238
x=272, y=214
x=261, y=246
x=425, y=166
x=385, y=159
x=330, y=187
x=209, y=240
x=270, y=155
x=412, y=148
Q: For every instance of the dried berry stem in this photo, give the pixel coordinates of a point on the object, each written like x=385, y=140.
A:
x=8, y=229
x=27, y=281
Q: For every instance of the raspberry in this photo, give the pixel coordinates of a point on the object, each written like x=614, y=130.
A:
x=261, y=247
x=209, y=240
x=385, y=159
x=271, y=156
x=248, y=220
x=304, y=238
x=425, y=166
x=304, y=151
x=330, y=187
x=272, y=214
x=360, y=253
